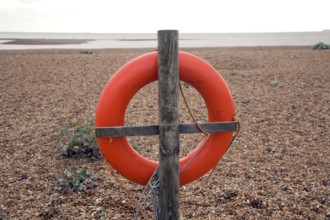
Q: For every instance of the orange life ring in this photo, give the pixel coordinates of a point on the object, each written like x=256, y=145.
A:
x=132, y=77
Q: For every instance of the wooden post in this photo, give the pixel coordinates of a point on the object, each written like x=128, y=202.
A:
x=168, y=84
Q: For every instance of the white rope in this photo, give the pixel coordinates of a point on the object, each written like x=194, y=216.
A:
x=151, y=190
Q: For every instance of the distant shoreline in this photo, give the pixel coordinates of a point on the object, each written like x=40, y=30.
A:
x=45, y=41
x=26, y=41
x=9, y=41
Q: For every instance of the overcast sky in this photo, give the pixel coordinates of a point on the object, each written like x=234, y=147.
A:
x=148, y=16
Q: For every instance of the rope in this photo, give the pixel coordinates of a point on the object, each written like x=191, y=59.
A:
x=207, y=180
x=150, y=190
x=203, y=143
x=190, y=112
x=197, y=151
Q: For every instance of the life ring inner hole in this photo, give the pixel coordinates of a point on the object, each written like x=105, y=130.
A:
x=143, y=110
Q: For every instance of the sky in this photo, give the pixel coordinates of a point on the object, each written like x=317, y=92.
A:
x=148, y=16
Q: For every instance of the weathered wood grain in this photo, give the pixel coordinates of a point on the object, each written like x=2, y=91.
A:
x=121, y=131
x=168, y=84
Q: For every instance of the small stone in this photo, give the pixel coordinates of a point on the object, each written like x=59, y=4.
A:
x=98, y=201
x=246, y=101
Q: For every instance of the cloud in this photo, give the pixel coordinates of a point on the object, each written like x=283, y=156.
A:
x=151, y=15
x=28, y=1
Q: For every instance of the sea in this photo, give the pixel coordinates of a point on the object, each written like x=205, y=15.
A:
x=149, y=40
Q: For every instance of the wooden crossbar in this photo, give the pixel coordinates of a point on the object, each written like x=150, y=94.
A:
x=120, y=131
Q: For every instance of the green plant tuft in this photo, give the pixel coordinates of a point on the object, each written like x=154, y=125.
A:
x=75, y=180
x=271, y=149
x=321, y=46
x=238, y=73
x=80, y=141
x=185, y=84
x=85, y=52
x=276, y=84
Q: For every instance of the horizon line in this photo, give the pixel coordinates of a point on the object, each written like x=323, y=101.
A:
x=257, y=32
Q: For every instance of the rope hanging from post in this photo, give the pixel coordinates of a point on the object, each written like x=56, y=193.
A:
x=207, y=135
x=207, y=180
x=190, y=112
x=150, y=190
